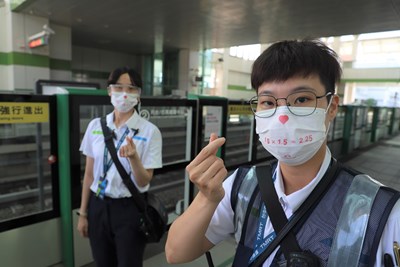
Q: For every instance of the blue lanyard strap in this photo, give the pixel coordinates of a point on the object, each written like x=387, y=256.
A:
x=107, y=165
x=261, y=243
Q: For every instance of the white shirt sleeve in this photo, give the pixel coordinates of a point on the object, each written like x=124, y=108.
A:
x=390, y=234
x=86, y=145
x=222, y=226
x=152, y=156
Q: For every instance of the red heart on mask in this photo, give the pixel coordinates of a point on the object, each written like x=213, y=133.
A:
x=283, y=118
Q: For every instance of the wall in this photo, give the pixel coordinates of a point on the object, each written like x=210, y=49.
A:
x=392, y=74
x=20, y=66
x=236, y=81
x=60, y=53
x=94, y=65
x=5, y=49
x=29, y=64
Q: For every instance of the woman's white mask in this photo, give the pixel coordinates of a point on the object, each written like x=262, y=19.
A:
x=292, y=139
x=124, y=102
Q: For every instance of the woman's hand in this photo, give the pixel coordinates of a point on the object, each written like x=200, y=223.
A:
x=128, y=150
x=83, y=226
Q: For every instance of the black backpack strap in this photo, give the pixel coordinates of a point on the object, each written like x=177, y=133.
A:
x=274, y=208
x=382, y=224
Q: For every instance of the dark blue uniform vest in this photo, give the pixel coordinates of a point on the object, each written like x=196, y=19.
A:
x=315, y=233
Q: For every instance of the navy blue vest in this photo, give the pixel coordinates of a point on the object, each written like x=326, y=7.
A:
x=315, y=233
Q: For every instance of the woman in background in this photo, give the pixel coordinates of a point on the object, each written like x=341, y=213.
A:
x=108, y=214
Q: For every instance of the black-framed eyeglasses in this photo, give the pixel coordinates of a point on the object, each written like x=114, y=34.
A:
x=306, y=99
x=125, y=87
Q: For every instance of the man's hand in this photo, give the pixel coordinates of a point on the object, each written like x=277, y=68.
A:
x=207, y=171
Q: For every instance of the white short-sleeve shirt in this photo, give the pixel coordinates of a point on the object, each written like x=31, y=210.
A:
x=221, y=226
x=148, y=144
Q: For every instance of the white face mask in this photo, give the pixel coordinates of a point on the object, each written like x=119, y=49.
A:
x=124, y=102
x=292, y=139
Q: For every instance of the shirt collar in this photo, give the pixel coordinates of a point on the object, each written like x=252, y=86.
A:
x=294, y=200
x=132, y=122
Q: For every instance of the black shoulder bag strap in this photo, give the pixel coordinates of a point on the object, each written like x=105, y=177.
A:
x=307, y=206
x=274, y=208
x=108, y=139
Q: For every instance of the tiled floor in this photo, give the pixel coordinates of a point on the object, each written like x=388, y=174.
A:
x=380, y=161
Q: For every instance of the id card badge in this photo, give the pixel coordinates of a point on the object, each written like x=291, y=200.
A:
x=101, y=189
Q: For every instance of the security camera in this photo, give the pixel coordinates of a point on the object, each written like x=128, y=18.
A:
x=48, y=30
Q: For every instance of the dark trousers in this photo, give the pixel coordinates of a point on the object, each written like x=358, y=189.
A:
x=114, y=233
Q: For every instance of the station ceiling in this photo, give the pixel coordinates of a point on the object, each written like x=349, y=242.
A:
x=146, y=26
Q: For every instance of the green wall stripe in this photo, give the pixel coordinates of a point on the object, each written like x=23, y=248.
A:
x=5, y=58
x=30, y=60
x=24, y=59
x=237, y=87
x=60, y=64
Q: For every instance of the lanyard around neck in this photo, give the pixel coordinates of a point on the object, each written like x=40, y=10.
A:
x=107, y=165
x=261, y=243
x=302, y=213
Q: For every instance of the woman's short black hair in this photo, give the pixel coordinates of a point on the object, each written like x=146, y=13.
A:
x=136, y=78
x=287, y=59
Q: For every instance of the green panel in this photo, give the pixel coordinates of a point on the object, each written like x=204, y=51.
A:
x=147, y=75
x=60, y=64
x=375, y=119
x=65, y=180
x=237, y=87
x=392, y=120
x=348, y=124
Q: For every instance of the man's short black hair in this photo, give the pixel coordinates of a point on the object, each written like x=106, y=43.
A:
x=135, y=77
x=287, y=59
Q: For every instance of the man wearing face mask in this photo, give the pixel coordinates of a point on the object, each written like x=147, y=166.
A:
x=325, y=204
x=108, y=214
